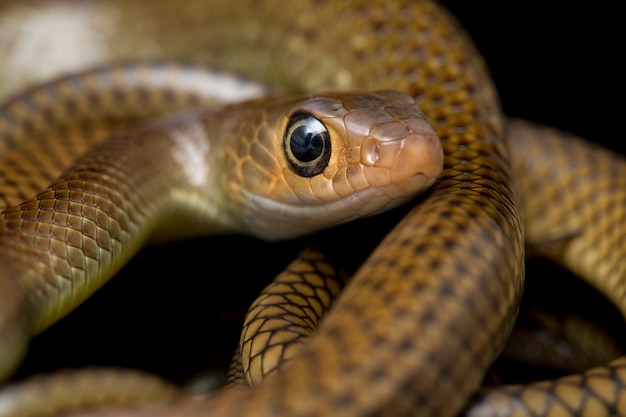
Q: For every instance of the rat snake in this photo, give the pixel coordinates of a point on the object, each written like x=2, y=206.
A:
x=369, y=337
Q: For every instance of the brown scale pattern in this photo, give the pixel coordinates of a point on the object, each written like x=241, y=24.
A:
x=411, y=285
x=234, y=374
x=123, y=93
x=598, y=392
x=49, y=395
x=288, y=309
x=601, y=390
x=118, y=97
x=472, y=206
x=587, y=239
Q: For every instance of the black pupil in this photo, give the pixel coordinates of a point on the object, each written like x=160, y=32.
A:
x=306, y=144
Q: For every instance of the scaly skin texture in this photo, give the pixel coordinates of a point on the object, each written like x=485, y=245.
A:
x=472, y=206
x=287, y=312
x=51, y=395
x=220, y=171
x=412, y=284
x=281, y=318
x=588, y=238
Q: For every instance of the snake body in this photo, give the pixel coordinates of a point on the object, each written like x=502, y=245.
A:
x=412, y=284
x=269, y=194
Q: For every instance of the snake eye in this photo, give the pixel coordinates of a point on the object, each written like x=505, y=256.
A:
x=307, y=145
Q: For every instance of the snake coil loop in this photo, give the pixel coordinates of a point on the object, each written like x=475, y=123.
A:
x=307, y=145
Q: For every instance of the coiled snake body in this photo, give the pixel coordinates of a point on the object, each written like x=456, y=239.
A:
x=390, y=345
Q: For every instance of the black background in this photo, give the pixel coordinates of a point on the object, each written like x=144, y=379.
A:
x=553, y=63
x=173, y=306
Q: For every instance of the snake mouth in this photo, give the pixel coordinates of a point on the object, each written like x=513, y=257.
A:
x=277, y=220
x=374, y=200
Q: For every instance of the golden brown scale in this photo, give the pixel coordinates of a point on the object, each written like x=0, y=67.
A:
x=234, y=374
x=412, y=284
x=599, y=391
x=472, y=206
x=588, y=238
x=45, y=130
x=70, y=238
x=289, y=309
x=51, y=395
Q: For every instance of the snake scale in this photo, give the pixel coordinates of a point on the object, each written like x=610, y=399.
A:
x=364, y=339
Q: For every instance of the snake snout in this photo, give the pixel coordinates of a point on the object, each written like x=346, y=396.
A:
x=402, y=148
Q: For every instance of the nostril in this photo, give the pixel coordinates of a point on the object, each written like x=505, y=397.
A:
x=370, y=152
x=376, y=152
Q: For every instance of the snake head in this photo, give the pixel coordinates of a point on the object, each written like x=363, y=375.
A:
x=312, y=162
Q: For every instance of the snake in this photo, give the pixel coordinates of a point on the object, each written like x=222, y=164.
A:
x=366, y=358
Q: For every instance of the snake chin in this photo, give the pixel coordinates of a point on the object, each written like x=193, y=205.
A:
x=273, y=220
